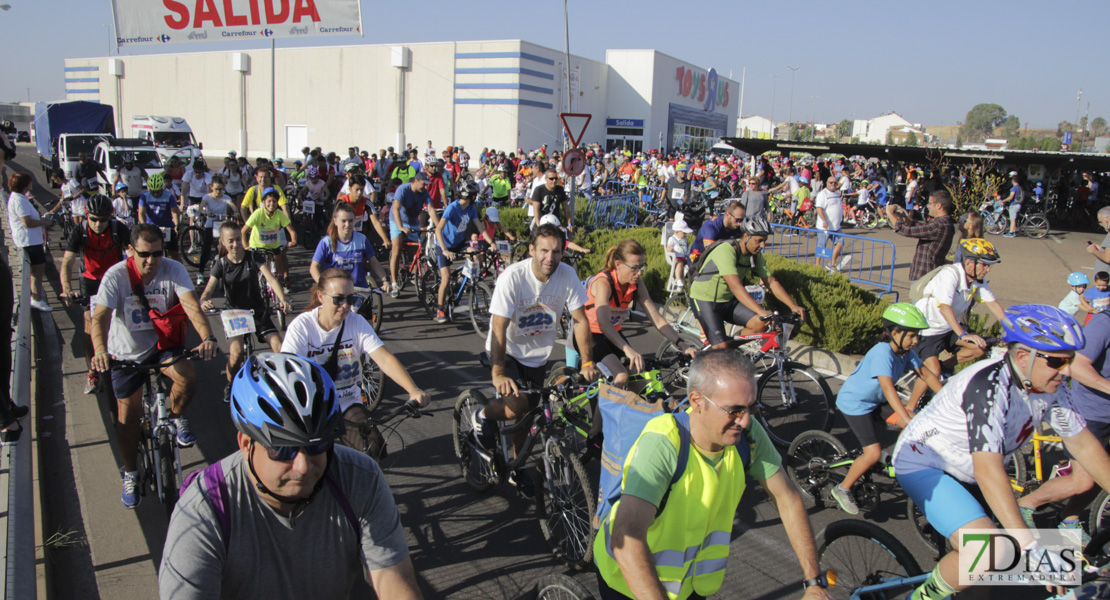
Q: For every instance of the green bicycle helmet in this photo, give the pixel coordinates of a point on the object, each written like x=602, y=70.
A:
x=904, y=315
x=155, y=182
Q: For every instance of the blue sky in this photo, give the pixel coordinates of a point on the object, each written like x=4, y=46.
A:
x=929, y=62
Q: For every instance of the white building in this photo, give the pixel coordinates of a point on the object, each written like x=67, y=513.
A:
x=874, y=131
x=754, y=126
x=496, y=94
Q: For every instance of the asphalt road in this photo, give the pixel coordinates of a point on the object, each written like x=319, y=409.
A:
x=463, y=544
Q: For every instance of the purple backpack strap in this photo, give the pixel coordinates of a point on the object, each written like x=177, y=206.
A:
x=215, y=484
x=341, y=498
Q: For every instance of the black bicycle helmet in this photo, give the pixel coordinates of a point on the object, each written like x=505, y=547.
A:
x=200, y=165
x=469, y=190
x=99, y=205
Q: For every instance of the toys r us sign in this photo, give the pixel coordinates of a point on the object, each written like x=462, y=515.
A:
x=702, y=87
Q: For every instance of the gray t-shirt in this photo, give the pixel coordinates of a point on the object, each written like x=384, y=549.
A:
x=131, y=335
x=315, y=554
x=755, y=204
x=1100, y=265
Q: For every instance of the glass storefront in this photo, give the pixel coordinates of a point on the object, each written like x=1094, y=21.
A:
x=692, y=138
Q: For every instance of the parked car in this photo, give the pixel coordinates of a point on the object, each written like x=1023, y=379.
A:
x=23, y=136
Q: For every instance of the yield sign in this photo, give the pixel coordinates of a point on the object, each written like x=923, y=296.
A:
x=575, y=125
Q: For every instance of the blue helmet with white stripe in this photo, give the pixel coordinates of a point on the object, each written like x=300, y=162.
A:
x=281, y=399
x=1042, y=327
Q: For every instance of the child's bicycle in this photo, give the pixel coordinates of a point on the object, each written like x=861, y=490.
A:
x=817, y=461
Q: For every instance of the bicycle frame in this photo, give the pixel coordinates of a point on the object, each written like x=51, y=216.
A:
x=158, y=421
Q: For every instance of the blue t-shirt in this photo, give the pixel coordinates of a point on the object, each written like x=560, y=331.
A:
x=1094, y=405
x=457, y=224
x=158, y=210
x=1099, y=300
x=412, y=202
x=348, y=256
x=880, y=195
x=1018, y=193
x=714, y=229
x=861, y=393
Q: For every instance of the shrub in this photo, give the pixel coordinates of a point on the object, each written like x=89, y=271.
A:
x=515, y=219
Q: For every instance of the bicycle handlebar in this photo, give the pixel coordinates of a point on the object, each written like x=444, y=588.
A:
x=127, y=366
x=409, y=406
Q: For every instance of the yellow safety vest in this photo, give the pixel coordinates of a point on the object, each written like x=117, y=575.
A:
x=689, y=540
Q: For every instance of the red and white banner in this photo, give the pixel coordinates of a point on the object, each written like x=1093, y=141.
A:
x=173, y=21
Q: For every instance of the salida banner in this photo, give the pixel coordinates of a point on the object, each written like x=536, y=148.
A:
x=172, y=21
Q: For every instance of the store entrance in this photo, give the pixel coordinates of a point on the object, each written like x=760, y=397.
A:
x=616, y=144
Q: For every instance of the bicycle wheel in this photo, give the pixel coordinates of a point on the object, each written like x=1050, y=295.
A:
x=561, y=587
x=480, y=297
x=794, y=402
x=565, y=506
x=1099, y=517
x=428, y=292
x=816, y=461
x=861, y=554
x=674, y=377
x=371, y=382
x=476, y=469
x=996, y=224
x=520, y=252
x=931, y=538
x=680, y=314
x=167, y=471
x=1035, y=226
x=192, y=239
x=373, y=310
x=870, y=219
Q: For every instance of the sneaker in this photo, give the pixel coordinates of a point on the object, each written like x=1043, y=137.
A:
x=185, y=437
x=523, y=482
x=1027, y=516
x=1085, y=538
x=845, y=500
x=200, y=280
x=441, y=316
x=41, y=305
x=485, y=431
x=285, y=288
x=130, y=496
x=92, y=382
x=1009, y=235
x=394, y=290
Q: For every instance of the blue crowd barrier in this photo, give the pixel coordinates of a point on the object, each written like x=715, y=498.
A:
x=620, y=187
x=863, y=260
x=614, y=211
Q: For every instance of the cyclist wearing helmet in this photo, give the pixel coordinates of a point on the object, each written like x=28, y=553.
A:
x=307, y=518
x=252, y=200
x=951, y=458
x=158, y=207
x=501, y=182
x=196, y=182
x=122, y=205
x=459, y=220
x=947, y=300
x=132, y=175
x=102, y=242
x=871, y=386
x=718, y=294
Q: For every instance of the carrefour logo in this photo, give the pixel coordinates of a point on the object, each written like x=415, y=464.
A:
x=163, y=38
x=266, y=32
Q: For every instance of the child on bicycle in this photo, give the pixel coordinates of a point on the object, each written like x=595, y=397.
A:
x=679, y=247
x=263, y=226
x=871, y=385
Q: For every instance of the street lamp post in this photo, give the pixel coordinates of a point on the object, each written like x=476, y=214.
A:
x=774, y=89
x=790, y=113
x=813, y=127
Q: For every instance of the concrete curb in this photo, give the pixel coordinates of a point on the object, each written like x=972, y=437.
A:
x=839, y=365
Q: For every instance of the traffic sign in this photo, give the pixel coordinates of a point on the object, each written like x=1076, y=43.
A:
x=575, y=125
x=574, y=162
x=1067, y=137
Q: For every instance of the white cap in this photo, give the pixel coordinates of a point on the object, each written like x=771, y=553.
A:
x=683, y=227
x=491, y=214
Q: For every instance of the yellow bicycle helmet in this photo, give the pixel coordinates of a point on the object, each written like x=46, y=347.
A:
x=980, y=250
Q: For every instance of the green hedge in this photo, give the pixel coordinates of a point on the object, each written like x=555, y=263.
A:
x=515, y=220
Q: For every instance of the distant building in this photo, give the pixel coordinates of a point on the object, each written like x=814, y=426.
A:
x=996, y=143
x=874, y=131
x=754, y=126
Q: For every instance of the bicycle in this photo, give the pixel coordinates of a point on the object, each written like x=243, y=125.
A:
x=565, y=500
x=996, y=221
x=63, y=217
x=268, y=295
x=561, y=587
x=371, y=306
x=387, y=430
x=803, y=400
x=414, y=264
x=159, y=459
x=463, y=290
x=195, y=240
x=817, y=461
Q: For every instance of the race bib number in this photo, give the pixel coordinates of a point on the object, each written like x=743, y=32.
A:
x=756, y=292
x=1101, y=304
x=535, y=320
x=268, y=236
x=626, y=177
x=166, y=232
x=308, y=207
x=619, y=315
x=678, y=194
x=137, y=317
x=503, y=247
x=215, y=224
x=237, y=323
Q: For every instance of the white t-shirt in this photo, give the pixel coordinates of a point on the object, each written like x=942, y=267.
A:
x=71, y=188
x=834, y=210
x=863, y=197
x=304, y=336
x=950, y=287
x=77, y=206
x=679, y=247
x=233, y=180
x=131, y=335
x=123, y=211
x=133, y=177
x=792, y=181
x=198, y=186
x=20, y=206
x=534, y=309
x=845, y=183
x=219, y=207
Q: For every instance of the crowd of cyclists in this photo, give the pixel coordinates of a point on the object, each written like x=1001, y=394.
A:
x=292, y=401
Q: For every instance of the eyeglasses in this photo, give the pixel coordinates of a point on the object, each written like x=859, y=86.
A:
x=634, y=267
x=341, y=300
x=1056, y=362
x=288, y=453
x=735, y=413
x=155, y=253
x=551, y=179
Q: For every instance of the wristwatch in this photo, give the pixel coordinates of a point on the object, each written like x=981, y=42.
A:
x=210, y=338
x=820, y=581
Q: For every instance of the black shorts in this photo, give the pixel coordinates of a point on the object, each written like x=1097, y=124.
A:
x=521, y=374
x=864, y=426
x=713, y=315
x=600, y=346
x=929, y=346
x=36, y=255
x=89, y=287
x=125, y=384
x=263, y=325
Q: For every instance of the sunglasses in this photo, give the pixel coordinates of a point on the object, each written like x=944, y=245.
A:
x=155, y=253
x=99, y=219
x=635, y=267
x=288, y=453
x=735, y=413
x=340, y=300
x=1056, y=362
x=551, y=179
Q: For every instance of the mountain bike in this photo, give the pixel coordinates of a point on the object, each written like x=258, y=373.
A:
x=561, y=587
x=63, y=217
x=997, y=221
x=196, y=240
x=268, y=294
x=371, y=306
x=817, y=461
x=464, y=292
x=388, y=430
x=159, y=458
x=414, y=264
x=565, y=500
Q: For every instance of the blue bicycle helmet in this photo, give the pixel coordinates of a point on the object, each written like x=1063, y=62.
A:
x=1078, y=278
x=281, y=399
x=1042, y=328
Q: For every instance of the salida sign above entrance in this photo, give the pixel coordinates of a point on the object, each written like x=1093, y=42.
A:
x=702, y=86
x=164, y=21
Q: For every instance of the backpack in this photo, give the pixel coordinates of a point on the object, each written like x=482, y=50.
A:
x=214, y=488
x=624, y=416
x=917, y=290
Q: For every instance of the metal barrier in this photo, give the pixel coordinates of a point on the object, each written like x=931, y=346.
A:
x=620, y=187
x=863, y=260
x=17, y=504
x=612, y=212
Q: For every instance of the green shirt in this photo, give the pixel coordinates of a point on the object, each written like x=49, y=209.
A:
x=265, y=229
x=709, y=285
x=651, y=467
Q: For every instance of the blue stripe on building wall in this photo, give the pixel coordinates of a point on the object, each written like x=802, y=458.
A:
x=496, y=70
x=524, y=55
x=82, y=68
x=503, y=86
x=89, y=91
x=517, y=101
x=82, y=79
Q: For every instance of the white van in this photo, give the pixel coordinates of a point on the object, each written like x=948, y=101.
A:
x=171, y=136
x=70, y=147
x=110, y=153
